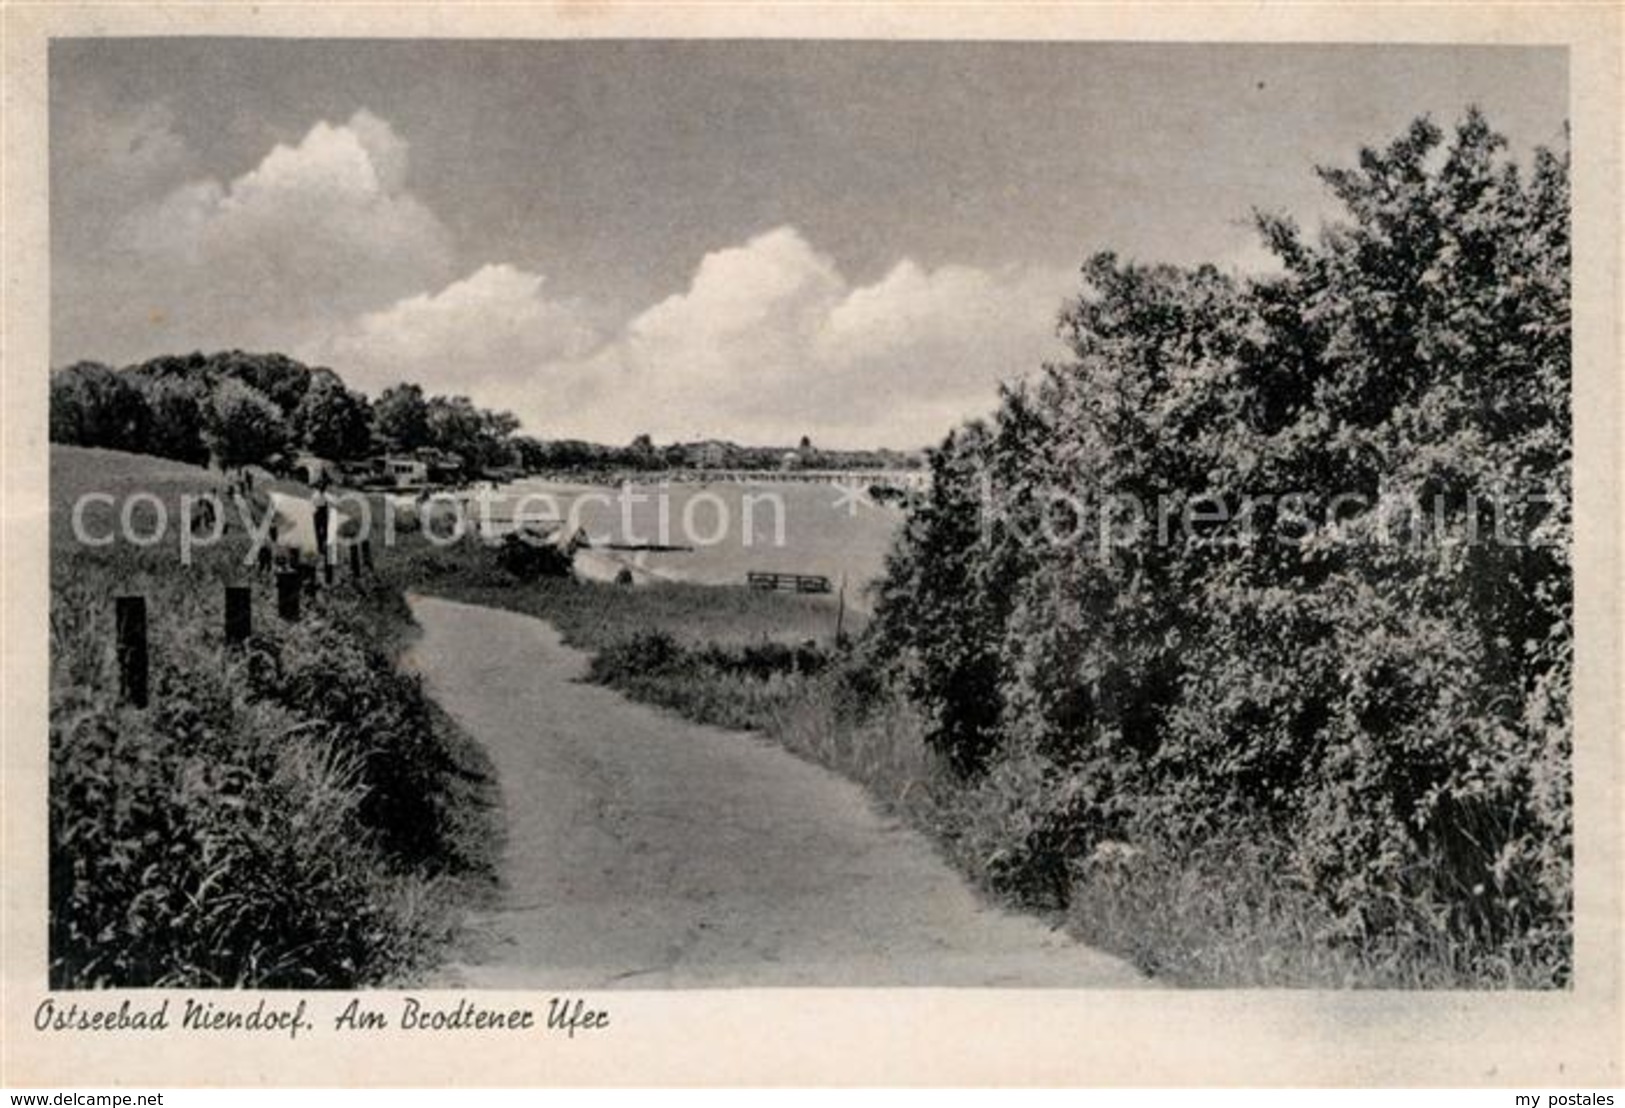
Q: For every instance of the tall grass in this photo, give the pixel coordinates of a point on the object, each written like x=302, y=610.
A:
x=292, y=812
x=1229, y=912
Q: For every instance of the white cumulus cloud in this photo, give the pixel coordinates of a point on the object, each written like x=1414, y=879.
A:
x=315, y=233
x=487, y=333
x=768, y=342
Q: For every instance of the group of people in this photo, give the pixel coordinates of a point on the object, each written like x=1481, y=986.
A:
x=240, y=483
x=323, y=511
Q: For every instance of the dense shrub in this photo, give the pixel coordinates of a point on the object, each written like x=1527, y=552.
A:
x=937, y=604
x=376, y=716
x=644, y=654
x=176, y=864
x=743, y=686
x=764, y=659
x=527, y=558
x=661, y=652
x=1288, y=552
x=292, y=813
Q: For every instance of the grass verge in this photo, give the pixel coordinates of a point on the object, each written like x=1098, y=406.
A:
x=291, y=812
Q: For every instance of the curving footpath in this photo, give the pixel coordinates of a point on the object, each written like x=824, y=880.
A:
x=645, y=851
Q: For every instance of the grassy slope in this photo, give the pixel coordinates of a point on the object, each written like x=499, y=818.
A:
x=310, y=752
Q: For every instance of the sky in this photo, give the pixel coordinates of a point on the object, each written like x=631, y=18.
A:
x=855, y=241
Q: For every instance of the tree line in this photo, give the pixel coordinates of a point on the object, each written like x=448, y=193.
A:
x=237, y=408
x=644, y=454
x=1375, y=677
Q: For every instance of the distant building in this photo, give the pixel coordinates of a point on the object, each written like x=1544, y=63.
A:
x=710, y=454
x=424, y=466
x=404, y=469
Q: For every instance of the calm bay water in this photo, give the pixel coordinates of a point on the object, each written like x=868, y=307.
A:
x=733, y=528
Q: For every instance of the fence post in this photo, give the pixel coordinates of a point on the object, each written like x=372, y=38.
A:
x=239, y=614
x=329, y=556
x=355, y=562
x=287, y=594
x=366, y=553
x=130, y=620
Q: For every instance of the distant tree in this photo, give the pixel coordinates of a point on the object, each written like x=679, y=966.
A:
x=478, y=436
x=333, y=422
x=195, y=368
x=495, y=446
x=806, y=444
x=566, y=454
x=241, y=426
x=500, y=425
x=531, y=453
x=641, y=453
x=278, y=377
x=177, y=406
x=92, y=405
x=402, y=417
x=454, y=423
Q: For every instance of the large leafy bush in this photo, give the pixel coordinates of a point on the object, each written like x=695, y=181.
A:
x=1286, y=552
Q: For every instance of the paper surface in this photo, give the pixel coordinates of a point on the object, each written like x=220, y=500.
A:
x=1562, y=1040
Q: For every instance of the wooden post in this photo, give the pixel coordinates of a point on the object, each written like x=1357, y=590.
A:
x=355, y=561
x=239, y=614
x=329, y=556
x=840, y=612
x=130, y=620
x=366, y=553
x=287, y=594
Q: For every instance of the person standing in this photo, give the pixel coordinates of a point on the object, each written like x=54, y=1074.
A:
x=321, y=514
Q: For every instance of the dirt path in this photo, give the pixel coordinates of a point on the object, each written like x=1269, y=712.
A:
x=646, y=851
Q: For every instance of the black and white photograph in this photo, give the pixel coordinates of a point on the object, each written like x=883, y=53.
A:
x=534, y=519
x=861, y=514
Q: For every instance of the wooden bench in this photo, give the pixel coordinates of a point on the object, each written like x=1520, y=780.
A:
x=788, y=582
